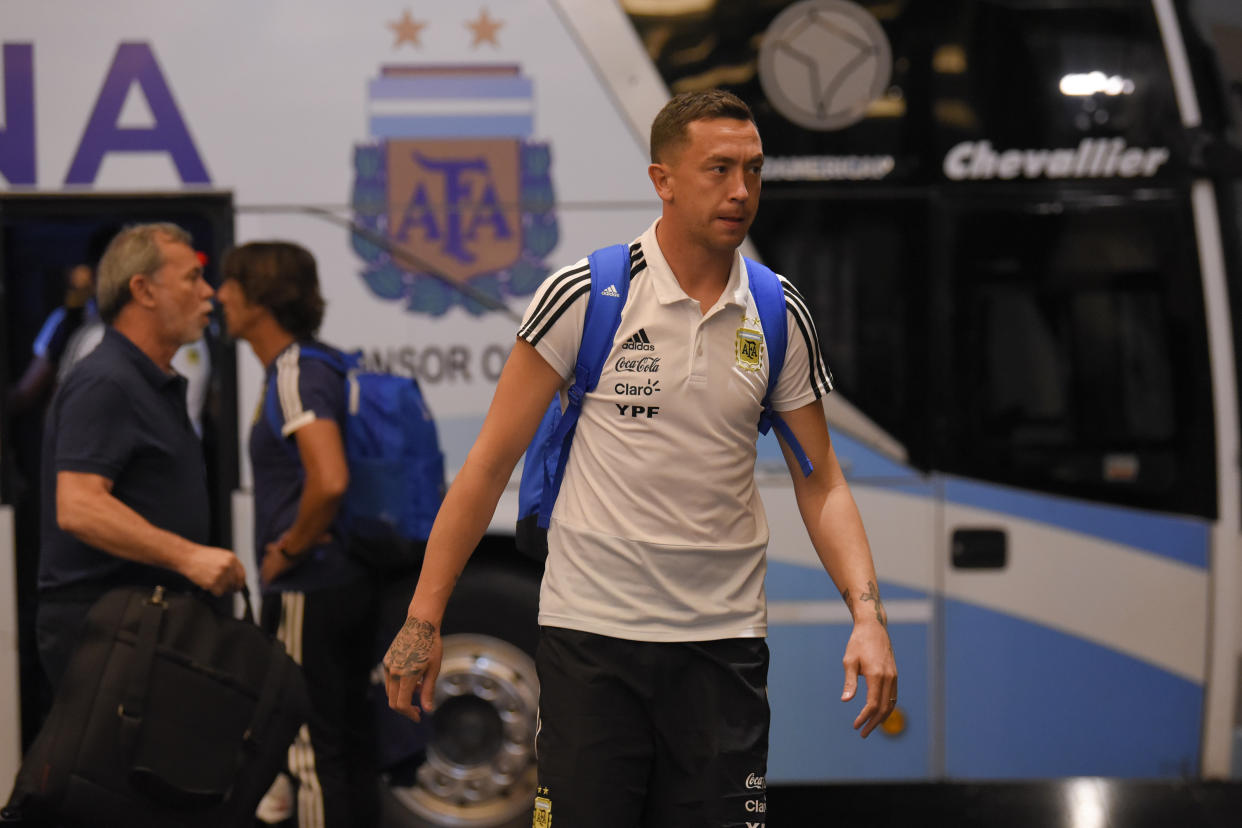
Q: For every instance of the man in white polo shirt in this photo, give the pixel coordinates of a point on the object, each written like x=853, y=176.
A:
x=652, y=662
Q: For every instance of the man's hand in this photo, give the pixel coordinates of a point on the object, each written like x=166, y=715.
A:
x=214, y=569
x=413, y=661
x=275, y=563
x=870, y=653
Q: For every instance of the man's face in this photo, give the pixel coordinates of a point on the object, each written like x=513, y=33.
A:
x=182, y=295
x=239, y=314
x=713, y=181
x=81, y=286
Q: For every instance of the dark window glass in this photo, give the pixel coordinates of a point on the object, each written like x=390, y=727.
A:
x=859, y=265
x=1027, y=70
x=1076, y=357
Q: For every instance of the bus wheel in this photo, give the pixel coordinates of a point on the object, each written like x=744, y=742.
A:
x=477, y=770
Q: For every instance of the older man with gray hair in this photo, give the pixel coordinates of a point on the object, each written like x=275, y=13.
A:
x=124, y=488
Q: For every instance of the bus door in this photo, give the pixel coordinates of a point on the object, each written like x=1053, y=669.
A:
x=857, y=259
x=1074, y=428
x=44, y=238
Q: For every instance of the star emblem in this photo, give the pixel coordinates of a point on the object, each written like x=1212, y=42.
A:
x=484, y=29
x=407, y=30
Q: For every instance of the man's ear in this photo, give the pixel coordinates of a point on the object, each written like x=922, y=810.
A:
x=140, y=290
x=662, y=179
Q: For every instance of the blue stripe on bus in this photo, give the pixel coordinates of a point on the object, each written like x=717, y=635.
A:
x=1171, y=536
x=451, y=126
x=1023, y=700
x=812, y=736
x=441, y=87
x=1181, y=538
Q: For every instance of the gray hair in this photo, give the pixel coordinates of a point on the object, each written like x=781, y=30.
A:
x=134, y=250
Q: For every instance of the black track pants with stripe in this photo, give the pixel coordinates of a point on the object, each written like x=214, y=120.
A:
x=329, y=632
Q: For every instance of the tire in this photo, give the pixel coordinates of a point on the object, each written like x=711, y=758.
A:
x=477, y=770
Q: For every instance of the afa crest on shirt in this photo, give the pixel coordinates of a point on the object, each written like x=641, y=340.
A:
x=543, y=813
x=748, y=345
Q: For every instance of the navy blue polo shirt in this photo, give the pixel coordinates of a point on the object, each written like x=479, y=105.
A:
x=118, y=415
x=298, y=389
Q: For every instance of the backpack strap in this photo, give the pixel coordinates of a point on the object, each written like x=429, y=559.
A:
x=769, y=295
x=610, y=284
x=342, y=363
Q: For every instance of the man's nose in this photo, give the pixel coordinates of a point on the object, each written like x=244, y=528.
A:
x=738, y=191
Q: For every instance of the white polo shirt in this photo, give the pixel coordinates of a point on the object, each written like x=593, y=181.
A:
x=658, y=533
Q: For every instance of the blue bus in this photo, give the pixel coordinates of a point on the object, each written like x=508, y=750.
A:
x=1017, y=223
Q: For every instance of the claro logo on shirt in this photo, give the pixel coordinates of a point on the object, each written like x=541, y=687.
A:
x=628, y=390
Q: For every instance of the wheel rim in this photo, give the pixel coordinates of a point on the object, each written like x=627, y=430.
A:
x=479, y=768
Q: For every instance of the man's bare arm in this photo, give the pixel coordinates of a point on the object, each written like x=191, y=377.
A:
x=526, y=387
x=86, y=509
x=327, y=476
x=322, y=452
x=836, y=530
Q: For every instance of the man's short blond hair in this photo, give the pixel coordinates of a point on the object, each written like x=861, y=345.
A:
x=671, y=125
x=135, y=250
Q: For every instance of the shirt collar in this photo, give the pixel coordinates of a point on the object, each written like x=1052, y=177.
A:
x=667, y=288
x=145, y=365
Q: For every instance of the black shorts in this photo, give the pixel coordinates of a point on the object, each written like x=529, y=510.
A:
x=635, y=733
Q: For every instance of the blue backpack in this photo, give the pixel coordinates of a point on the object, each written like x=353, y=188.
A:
x=396, y=468
x=548, y=452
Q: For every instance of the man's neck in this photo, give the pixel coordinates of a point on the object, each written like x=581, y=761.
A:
x=702, y=273
x=146, y=339
x=268, y=339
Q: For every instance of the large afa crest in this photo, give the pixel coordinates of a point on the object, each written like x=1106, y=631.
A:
x=450, y=180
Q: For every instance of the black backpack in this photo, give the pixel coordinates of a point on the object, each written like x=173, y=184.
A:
x=171, y=715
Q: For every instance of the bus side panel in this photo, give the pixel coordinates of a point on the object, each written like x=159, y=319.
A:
x=1026, y=701
x=812, y=729
x=809, y=625
x=1084, y=651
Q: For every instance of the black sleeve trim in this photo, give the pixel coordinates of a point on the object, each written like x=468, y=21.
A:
x=578, y=292
x=571, y=280
x=821, y=378
x=566, y=289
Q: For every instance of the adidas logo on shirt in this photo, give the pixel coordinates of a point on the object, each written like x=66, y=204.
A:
x=638, y=342
x=611, y=290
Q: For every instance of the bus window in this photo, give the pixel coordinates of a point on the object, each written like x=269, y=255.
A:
x=858, y=263
x=1047, y=74
x=1076, y=359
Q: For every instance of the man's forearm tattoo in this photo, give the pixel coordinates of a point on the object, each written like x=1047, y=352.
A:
x=411, y=648
x=873, y=594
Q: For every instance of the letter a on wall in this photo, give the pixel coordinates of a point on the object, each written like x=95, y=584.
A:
x=135, y=63
x=17, y=138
